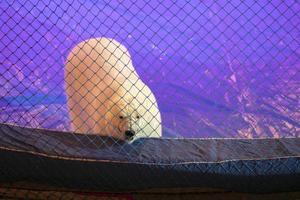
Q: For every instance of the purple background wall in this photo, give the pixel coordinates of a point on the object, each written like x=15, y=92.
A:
x=218, y=69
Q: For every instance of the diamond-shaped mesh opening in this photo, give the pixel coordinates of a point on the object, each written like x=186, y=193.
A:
x=151, y=69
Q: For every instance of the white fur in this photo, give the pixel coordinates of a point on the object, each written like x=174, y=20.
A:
x=102, y=85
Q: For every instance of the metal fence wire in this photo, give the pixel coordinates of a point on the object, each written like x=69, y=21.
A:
x=171, y=69
x=79, y=75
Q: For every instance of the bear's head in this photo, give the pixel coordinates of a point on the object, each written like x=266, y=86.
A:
x=131, y=117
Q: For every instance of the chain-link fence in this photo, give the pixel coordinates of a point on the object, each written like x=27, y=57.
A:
x=216, y=69
x=164, y=69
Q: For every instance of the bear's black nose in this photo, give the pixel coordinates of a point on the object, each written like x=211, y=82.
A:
x=129, y=134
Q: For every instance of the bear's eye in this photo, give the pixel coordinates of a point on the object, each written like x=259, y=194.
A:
x=121, y=117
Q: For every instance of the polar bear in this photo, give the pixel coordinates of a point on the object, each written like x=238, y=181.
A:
x=105, y=95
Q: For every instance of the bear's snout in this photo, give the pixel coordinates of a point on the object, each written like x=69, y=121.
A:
x=129, y=134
